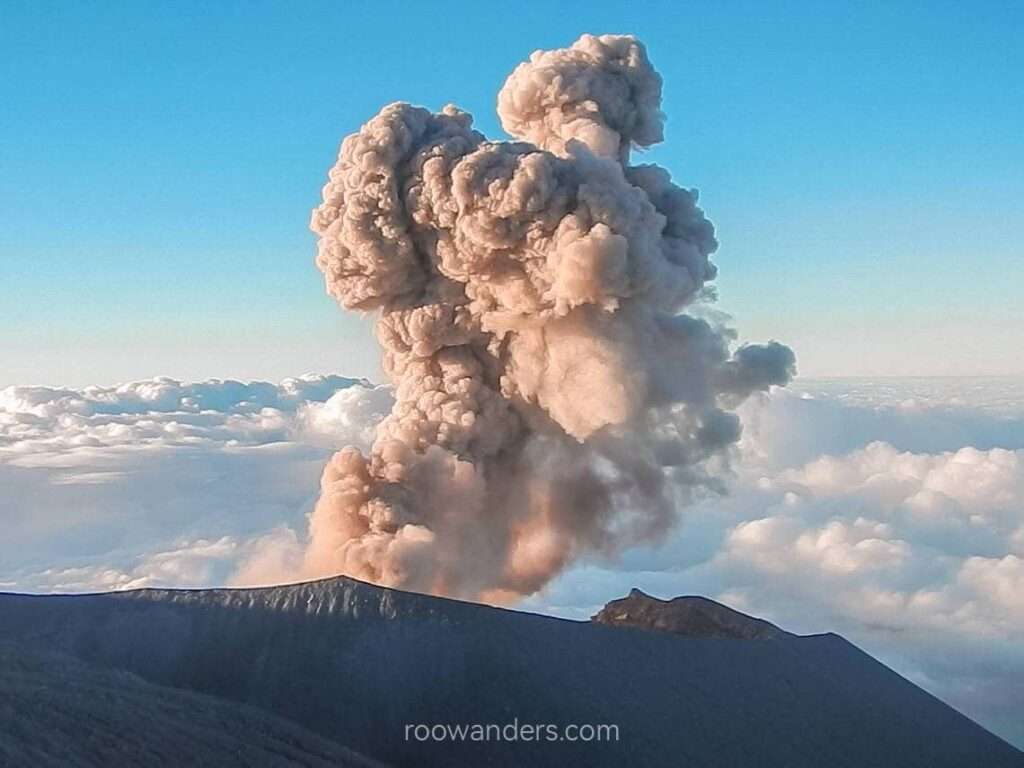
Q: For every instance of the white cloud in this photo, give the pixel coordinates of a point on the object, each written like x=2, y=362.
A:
x=780, y=544
x=946, y=561
x=812, y=418
x=187, y=564
x=99, y=477
x=998, y=582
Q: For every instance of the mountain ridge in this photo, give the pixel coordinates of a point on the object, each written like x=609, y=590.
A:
x=356, y=663
x=687, y=616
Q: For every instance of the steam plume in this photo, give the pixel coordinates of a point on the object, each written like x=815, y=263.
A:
x=551, y=397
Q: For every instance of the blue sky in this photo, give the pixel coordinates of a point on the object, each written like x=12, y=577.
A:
x=158, y=163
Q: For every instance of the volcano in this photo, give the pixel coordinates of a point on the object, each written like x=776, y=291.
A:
x=344, y=671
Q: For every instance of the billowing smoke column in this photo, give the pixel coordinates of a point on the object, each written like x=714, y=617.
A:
x=552, y=399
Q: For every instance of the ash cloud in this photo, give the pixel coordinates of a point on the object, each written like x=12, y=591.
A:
x=552, y=397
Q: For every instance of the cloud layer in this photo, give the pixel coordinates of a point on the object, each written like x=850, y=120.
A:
x=99, y=477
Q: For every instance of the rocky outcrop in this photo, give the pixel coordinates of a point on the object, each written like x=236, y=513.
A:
x=686, y=616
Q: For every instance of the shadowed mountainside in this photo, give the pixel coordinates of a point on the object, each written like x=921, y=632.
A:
x=357, y=663
x=59, y=712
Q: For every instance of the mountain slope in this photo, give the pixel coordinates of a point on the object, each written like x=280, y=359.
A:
x=358, y=663
x=58, y=711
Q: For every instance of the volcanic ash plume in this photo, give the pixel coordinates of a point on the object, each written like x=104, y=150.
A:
x=552, y=399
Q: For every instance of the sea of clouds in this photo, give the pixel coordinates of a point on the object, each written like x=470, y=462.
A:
x=889, y=511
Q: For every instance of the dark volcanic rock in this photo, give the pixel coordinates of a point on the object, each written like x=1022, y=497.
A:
x=359, y=664
x=61, y=712
x=686, y=616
